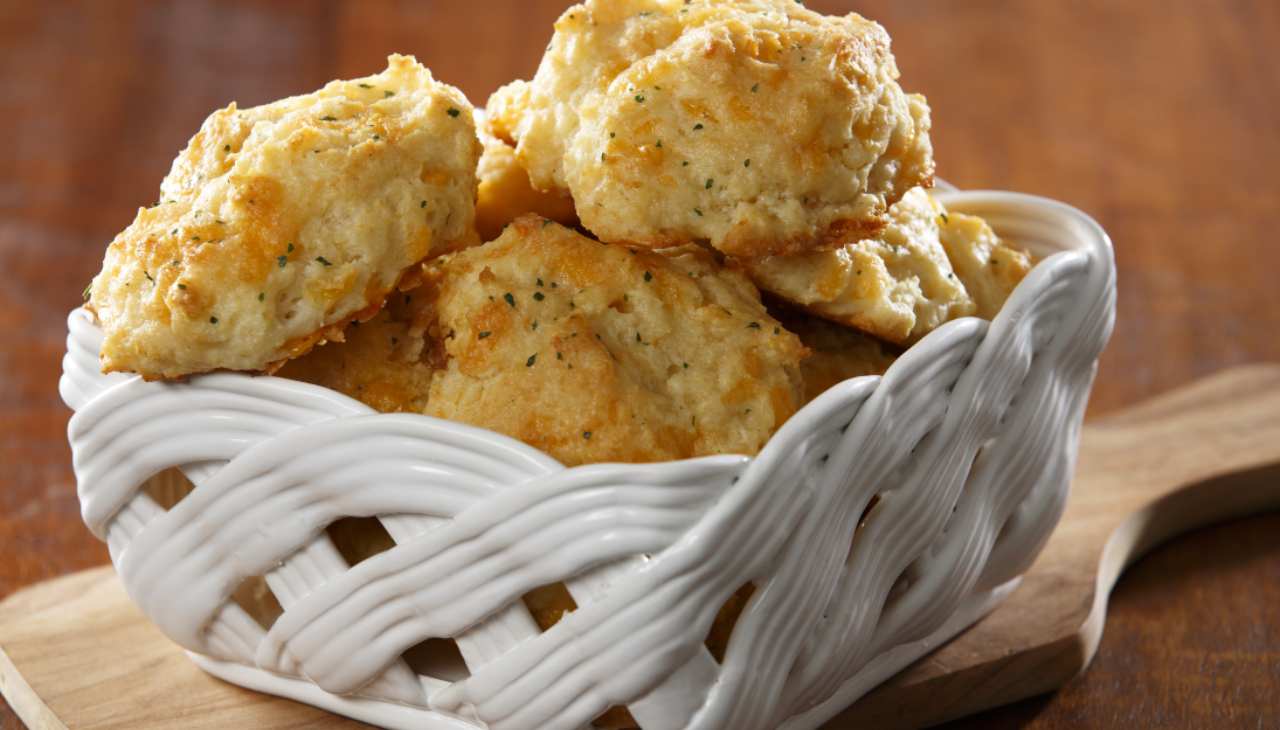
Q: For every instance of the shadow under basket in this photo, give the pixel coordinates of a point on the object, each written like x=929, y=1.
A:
x=297, y=543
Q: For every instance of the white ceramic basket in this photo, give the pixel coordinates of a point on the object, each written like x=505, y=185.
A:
x=969, y=441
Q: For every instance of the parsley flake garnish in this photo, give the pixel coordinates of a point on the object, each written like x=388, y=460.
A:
x=746, y=162
x=945, y=219
x=699, y=212
x=538, y=296
x=261, y=295
x=529, y=363
x=388, y=94
x=639, y=99
x=697, y=126
x=184, y=286
x=755, y=88
x=282, y=260
x=754, y=325
x=213, y=320
x=328, y=119
x=648, y=277
x=289, y=248
x=422, y=204
x=483, y=334
x=586, y=435
x=323, y=260
x=453, y=112
x=509, y=299
x=226, y=148
x=710, y=182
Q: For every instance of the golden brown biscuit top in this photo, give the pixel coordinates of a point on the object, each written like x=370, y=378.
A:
x=591, y=352
x=596, y=352
x=759, y=126
x=279, y=222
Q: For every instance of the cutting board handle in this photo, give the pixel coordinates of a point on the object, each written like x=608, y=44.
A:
x=1199, y=455
x=1193, y=457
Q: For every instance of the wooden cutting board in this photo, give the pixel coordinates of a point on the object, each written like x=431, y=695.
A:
x=74, y=653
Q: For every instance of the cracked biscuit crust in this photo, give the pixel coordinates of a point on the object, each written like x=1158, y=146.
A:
x=590, y=352
x=595, y=352
x=278, y=224
x=759, y=126
x=925, y=268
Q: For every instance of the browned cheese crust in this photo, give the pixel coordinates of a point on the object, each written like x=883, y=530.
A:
x=926, y=268
x=590, y=352
x=759, y=126
x=279, y=224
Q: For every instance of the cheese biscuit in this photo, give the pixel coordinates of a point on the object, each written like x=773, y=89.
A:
x=278, y=224
x=758, y=126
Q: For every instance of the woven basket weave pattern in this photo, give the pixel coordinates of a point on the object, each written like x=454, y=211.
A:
x=968, y=442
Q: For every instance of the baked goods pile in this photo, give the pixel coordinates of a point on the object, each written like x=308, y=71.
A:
x=697, y=216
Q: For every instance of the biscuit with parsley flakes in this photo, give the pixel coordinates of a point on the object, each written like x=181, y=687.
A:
x=924, y=269
x=590, y=352
x=759, y=126
x=279, y=223
x=597, y=352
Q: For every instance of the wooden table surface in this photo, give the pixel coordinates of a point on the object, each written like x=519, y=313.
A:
x=1159, y=118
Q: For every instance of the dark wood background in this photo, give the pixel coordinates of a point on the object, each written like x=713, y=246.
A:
x=1162, y=119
